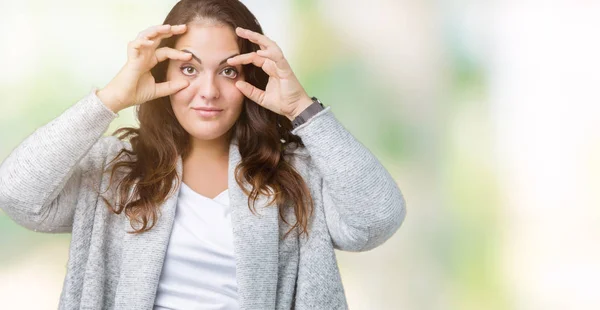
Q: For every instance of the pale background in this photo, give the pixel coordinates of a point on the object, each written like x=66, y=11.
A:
x=485, y=112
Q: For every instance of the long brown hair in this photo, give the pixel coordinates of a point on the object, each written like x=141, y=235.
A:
x=263, y=137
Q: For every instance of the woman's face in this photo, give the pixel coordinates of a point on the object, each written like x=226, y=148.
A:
x=212, y=81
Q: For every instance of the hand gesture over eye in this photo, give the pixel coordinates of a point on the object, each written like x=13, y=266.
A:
x=283, y=95
x=134, y=84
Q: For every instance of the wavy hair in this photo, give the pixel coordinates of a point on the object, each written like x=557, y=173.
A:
x=263, y=137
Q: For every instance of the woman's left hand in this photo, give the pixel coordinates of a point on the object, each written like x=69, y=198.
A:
x=283, y=95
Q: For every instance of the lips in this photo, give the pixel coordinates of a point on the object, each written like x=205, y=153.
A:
x=206, y=109
x=207, y=112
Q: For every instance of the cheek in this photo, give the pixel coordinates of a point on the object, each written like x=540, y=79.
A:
x=235, y=101
x=182, y=97
x=234, y=95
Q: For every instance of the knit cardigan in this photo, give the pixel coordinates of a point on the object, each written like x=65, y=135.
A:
x=50, y=183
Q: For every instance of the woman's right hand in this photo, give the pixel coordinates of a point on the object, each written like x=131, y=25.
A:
x=134, y=84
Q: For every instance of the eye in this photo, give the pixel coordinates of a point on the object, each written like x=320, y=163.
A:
x=186, y=70
x=230, y=72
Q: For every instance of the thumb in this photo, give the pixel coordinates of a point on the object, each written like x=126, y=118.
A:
x=170, y=87
x=250, y=91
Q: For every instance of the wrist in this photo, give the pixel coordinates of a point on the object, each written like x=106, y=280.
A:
x=302, y=105
x=109, y=100
x=313, y=109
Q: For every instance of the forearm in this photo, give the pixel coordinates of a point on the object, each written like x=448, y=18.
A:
x=363, y=193
x=36, y=169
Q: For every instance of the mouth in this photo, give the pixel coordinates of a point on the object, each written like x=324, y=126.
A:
x=207, y=111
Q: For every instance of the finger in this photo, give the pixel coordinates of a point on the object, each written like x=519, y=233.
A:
x=151, y=31
x=170, y=87
x=134, y=47
x=276, y=56
x=247, y=58
x=139, y=43
x=178, y=29
x=167, y=32
x=253, y=58
x=255, y=37
x=161, y=35
x=269, y=49
x=158, y=29
x=165, y=53
x=250, y=91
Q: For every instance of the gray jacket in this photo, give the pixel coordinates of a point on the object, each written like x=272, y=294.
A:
x=49, y=183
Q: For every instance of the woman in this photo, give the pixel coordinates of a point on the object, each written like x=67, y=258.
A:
x=233, y=192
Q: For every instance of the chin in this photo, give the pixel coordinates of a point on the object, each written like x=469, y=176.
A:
x=207, y=131
x=207, y=135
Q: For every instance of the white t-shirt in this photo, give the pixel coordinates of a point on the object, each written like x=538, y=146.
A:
x=199, y=267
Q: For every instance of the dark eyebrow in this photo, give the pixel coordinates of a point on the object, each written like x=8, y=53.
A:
x=200, y=61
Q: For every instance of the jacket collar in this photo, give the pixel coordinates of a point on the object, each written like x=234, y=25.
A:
x=255, y=241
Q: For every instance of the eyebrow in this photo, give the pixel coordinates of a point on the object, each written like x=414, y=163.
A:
x=200, y=61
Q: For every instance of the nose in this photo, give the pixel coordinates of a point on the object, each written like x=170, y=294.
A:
x=207, y=87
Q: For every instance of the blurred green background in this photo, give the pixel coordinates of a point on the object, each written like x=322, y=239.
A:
x=483, y=111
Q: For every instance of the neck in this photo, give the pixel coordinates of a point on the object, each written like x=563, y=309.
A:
x=209, y=151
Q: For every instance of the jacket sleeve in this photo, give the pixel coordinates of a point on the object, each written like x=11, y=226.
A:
x=41, y=179
x=363, y=205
